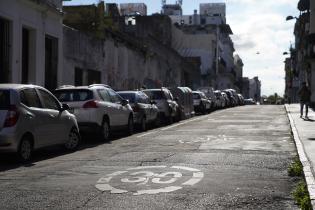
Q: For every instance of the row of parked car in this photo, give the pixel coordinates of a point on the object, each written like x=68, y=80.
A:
x=31, y=117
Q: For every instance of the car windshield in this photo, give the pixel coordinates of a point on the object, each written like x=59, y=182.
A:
x=4, y=99
x=73, y=95
x=131, y=97
x=155, y=95
x=196, y=96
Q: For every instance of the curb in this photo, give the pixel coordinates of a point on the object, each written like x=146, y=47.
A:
x=309, y=177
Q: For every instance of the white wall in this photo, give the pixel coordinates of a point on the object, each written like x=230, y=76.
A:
x=195, y=45
x=312, y=30
x=41, y=21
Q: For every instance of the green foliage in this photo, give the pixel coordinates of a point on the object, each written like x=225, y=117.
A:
x=295, y=168
x=301, y=196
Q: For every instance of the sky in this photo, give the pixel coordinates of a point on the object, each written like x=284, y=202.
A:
x=260, y=33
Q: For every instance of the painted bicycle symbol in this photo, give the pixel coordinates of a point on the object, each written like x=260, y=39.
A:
x=149, y=180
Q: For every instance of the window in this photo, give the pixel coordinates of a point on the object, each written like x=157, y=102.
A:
x=73, y=95
x=51, y=62
x=203, y=21
x=103, y=95
x=5, y=50
x=144, y=98
x=30, y=98
x=155, y=95
x=78, y=77
x=131, y=97
x=49, y=102
x=94, y=77
x=115, y=98
x=4, y=99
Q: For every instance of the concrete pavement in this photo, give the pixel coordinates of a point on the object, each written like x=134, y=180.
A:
x=230, y=159
x=304, y=136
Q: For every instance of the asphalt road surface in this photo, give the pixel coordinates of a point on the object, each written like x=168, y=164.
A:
x=230, y=159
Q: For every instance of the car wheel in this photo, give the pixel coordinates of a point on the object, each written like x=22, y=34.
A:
x=25, y=149
x=143, y=124
x=157, y=121
x=130, y=125
x=170, y=119
x=203, y=109
x=105, y=130
x=73, y=140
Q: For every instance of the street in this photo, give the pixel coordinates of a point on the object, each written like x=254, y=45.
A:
x=230, y=159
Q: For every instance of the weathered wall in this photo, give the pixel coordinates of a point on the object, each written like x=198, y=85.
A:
x=121, y=66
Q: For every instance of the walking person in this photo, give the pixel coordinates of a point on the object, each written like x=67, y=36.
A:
x=305, y=95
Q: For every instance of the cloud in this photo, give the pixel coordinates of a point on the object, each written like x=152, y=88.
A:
x=260, y=26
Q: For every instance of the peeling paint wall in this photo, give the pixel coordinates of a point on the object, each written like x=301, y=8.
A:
x=120, y=66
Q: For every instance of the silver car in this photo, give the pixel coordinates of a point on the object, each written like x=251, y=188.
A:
x=165, y=102
x=145, y=111
x=32, y=118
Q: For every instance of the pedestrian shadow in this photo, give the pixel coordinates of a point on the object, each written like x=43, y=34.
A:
x=309, y=120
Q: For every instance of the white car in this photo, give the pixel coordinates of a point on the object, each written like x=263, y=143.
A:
x=98, y=108
x=32, y=118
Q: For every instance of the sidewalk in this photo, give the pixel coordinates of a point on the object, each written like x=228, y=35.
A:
x=304, y=137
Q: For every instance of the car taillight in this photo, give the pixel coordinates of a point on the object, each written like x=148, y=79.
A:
x=12, y=117
x=90, y=105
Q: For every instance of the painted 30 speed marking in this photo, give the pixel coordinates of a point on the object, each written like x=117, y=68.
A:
x=150, y=180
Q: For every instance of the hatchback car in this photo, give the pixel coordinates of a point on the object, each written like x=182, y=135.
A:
x=201, y=103
x=32, y=118
x=98, y=108
x=165, y=102
x=145, y=110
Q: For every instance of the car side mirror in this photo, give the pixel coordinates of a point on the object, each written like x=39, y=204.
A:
x=124, y=102
x=65, y=107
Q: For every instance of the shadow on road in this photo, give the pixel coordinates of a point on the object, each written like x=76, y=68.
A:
x=10, y=161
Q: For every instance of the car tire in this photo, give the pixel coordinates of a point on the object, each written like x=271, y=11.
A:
x=130, y=125
x=143, y=125
x=157, y=121
x=73, y=141
x=203, y=109
x=105, y=131
x=170, y=120
x=25, y=149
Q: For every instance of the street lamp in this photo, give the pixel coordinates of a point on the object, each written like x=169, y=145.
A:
x=291, y=18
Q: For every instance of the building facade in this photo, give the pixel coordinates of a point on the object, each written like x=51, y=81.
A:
x=31, y=42
x=206, y=35
x=128, y=9
x=300, y=66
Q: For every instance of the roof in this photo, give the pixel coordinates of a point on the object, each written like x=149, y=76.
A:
x=128, y=91
x=17, y=86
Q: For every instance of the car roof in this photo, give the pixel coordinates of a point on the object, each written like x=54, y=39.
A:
x=18, y=86
x=151, y=90
x=129, y=91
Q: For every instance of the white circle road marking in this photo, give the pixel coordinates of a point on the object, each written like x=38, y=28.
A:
x=143, y=177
